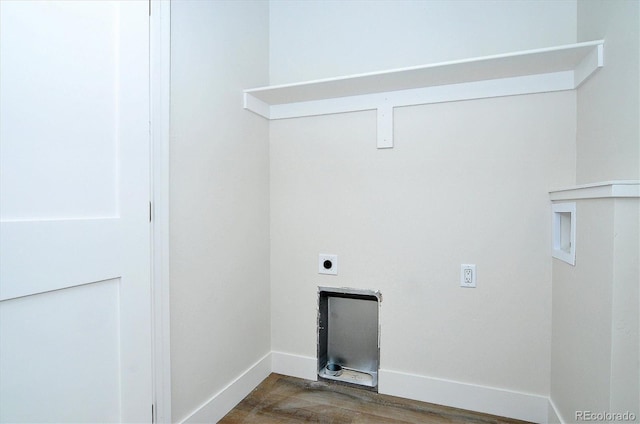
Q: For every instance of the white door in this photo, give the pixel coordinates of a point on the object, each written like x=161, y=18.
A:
x=75, y=340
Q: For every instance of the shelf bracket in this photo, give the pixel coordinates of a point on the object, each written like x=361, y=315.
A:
x=588, y=65
x=385, y=126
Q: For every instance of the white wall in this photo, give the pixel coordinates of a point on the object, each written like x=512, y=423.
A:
x=608, y=145
x=315, y=39
x=625, y=305
x=582, y=297
x=595, y=342
x=219, y=198
x=466, y=183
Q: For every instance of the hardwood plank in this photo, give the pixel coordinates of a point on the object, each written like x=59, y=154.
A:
x=282, y=399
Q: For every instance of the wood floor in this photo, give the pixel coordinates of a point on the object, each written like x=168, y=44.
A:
x=281, y=399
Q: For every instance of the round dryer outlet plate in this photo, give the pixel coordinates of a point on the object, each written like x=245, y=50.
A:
x=328, y=264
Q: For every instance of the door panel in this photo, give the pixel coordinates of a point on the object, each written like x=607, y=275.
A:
x=69, y=337
x=40, y=256
x=75, y=320
x=59, y=71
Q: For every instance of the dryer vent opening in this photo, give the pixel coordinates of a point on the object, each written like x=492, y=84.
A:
x=348, y=336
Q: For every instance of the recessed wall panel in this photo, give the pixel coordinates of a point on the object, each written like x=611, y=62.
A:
x=353, y=333
x=348, y=336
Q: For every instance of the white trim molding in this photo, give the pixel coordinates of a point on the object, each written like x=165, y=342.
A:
x=554, y=415
x=294, y=365
x=226, y=399
x=489, y=400
x=525, y=72
x=160, y=69
x=601, y=190
x=564, y=232
x=472, y=397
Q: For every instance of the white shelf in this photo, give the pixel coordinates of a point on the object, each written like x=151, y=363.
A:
x=602, y=190
x=533, y=71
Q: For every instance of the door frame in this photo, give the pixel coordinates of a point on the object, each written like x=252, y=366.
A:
x=160, y=108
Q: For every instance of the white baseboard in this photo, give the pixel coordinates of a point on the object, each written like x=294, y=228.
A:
x=226, y=399
x=490, y=400
x=554, y=415
x=294, y=365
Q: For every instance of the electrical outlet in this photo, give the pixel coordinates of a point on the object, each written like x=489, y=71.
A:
x=467, y=275
x=328, y=264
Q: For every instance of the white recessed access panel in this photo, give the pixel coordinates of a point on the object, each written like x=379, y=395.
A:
x=564, y=232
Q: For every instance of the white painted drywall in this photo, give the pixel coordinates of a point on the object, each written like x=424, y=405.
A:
x=595, y=342
x=608, y=144
x=316, y=39
x=582, y=296
x=466, y=183
x=595, y=348
x=219, y=208
x=625, y=331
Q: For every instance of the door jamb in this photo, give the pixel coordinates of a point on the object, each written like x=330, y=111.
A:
x=160, y=107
